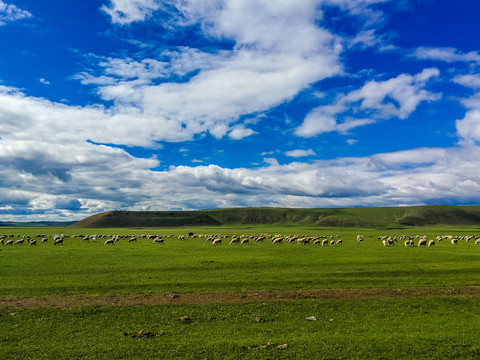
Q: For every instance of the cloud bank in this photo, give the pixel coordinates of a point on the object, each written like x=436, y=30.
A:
x=60, y=161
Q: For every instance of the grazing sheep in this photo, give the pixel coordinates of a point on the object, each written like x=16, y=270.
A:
x=235, y=240
x=134, y=239
x=303, y=241
x=324, y=242
x=477, y=242
x=59, y=241
x=33, y=242
x=431, y=243
x=20, y=241
x=157, y=240
x=359, y=238
x=422, y=242
x=109, y=241
x=8, y=242
x=260, y=238
x=390, y=241
x=454, y=241
x=409, y=243
x=244, y=242
x=277, y=240
x=217, y=242
x=339, y=241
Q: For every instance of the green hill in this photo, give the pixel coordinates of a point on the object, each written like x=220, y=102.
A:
x=345, y=217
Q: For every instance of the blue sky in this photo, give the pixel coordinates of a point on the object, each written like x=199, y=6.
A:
x=188, y=104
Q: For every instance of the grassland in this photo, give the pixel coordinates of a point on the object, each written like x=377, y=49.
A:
x=436, y=325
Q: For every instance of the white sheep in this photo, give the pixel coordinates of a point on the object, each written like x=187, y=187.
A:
x=422, y=242
x=217, y=241
x=303, y=241
x=431, y=243
x=109, y=241
x=158, y=240
x=277, y=240
x=235, y=240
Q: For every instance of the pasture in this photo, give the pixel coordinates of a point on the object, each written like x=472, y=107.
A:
x=352, y=300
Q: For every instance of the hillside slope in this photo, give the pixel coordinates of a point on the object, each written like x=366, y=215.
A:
x=346, y=217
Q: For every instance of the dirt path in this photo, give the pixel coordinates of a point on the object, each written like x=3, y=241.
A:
x=233, y=296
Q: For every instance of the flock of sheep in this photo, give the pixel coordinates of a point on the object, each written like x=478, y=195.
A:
x=409, y=241
x=216, y=239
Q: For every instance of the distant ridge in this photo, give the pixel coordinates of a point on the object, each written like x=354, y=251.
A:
x=382, y=217
x=114, y=219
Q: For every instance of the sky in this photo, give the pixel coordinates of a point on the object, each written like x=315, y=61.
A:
x=201, y=104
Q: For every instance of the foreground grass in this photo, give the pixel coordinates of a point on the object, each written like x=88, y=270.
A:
x=431, y=328
x=194, y=265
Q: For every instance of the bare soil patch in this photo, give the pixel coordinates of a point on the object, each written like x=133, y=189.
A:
x=234, y=296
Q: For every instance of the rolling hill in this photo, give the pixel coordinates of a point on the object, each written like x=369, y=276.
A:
x=382, y=217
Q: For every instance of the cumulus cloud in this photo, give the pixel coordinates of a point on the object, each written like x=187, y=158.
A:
x=279, y=51
x=445, y=54
x=127, y=11
x=376, y=100
x=300, y=153
x=9, y=13
x=468, y=128
x=53, y=163
x=470, y=80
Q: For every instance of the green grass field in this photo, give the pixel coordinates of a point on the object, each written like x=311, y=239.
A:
x=430, y=327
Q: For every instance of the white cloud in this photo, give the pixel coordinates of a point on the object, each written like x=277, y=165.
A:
x=445, y=54
x=240, y=132
x=9, y=13
x=124, y=12
x=471, y=80
x=376, y=100
x=468, y=128
x=300, y=153
x=370, y=39
x=279, y=51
